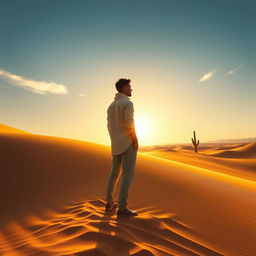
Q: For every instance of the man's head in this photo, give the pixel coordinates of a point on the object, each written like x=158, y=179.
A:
x=123, y=86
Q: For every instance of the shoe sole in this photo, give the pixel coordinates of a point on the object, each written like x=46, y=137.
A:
x=126, y=215
x=111, y=209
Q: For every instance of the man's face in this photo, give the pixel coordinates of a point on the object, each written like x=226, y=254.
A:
x=127, y=90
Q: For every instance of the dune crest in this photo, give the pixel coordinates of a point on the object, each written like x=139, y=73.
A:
x=244, y=151
x=8, y=129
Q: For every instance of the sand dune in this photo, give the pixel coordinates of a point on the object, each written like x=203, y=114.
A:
x=8, y=129
x=244, y=151
x=212, y=156
x=84, y=229
x=243, y=168
x=52, y=203
x=204, y=148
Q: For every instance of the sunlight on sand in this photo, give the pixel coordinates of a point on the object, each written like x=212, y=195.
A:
x=188, y=204
x=85, y=227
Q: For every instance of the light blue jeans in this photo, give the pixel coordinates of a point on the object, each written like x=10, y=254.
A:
x=128, y=162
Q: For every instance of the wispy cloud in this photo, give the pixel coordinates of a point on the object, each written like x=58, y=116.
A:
x=233, y=71
x=81, y=95
x=41, y=87
x=207, y=76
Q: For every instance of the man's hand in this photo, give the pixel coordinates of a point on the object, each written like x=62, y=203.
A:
x=135, y=143
x=132, y=134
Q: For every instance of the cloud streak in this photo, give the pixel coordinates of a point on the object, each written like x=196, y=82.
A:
x=233, y=71
x=207, y=76
x=40, y=87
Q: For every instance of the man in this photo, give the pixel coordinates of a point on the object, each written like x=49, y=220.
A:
x=124, y=147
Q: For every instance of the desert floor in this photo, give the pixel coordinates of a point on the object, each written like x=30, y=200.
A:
x=52, y=199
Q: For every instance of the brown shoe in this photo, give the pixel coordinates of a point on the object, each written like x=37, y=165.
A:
x=110, y=206
x=126, y=212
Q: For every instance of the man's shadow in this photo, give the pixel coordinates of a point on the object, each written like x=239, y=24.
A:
x=111, y=238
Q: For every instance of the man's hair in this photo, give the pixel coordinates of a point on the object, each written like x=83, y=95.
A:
x=121, y=83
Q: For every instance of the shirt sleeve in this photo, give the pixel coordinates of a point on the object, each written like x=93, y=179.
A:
x=108, y=118
x=128, y=115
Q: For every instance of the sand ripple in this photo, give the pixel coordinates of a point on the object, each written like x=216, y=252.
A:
x=85, y=229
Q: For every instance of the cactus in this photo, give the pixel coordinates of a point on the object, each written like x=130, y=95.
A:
x=194, y=142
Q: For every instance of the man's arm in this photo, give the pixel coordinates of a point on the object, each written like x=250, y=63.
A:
x=108, y=120
x=129, y=121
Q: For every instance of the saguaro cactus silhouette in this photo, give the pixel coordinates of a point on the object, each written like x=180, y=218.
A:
x=194, y=142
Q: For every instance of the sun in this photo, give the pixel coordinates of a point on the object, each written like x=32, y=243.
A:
x=143, y=128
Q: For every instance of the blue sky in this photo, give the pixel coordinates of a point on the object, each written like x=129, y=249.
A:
x=192, y=66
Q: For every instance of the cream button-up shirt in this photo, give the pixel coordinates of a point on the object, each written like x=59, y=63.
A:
x=119, y=120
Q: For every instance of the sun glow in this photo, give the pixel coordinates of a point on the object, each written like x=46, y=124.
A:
x=143, y=127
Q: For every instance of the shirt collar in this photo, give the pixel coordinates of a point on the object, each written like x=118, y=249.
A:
x=119, y=95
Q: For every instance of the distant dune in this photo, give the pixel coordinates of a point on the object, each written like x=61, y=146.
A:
x=234, y=159
x=52, y=201
x=241, y=140
x=244, y=151
x=203, y=147
x=238, y=150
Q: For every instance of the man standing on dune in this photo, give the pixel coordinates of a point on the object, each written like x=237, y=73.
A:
x=124, y=147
